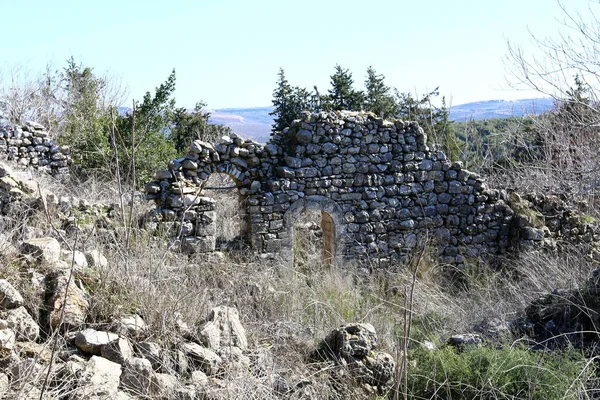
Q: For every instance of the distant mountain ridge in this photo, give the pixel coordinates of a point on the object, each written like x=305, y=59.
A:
x=256, y=123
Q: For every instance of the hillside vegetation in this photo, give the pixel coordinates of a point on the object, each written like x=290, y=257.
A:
x=94, y=306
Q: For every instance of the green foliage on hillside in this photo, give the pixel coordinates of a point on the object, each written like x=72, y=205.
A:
x=488, y=373
x=137, y=142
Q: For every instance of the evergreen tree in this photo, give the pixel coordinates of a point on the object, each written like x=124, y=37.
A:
x=142, y=142
x=189, y=126
x=342, y=95
x=86, y=126
x=288, y=102
x=378, y=98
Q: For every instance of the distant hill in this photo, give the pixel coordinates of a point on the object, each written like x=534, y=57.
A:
x=500, y=109
x=256, y=123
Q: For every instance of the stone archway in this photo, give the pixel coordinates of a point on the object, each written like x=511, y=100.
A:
x=332, y=225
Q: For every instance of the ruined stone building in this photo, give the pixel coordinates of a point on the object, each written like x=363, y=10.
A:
x=380, y=189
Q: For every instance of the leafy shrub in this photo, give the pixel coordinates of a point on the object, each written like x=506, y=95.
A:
x=487, y=373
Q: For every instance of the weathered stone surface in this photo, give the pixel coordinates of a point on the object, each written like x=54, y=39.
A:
x=9, y=296
x=137, y=376
x=164, y=386
x=381, y=190
x=131, y=324
x=45, y=250
x=465, y=339
x=7, y=339
x=92, y=341
x=72, y=299
x=223, y=329
x=22, y=324
x=96, y=259
x=119, y=351
x=99, y=379
x=152, y=352
x=355, y=345
x=205, y=359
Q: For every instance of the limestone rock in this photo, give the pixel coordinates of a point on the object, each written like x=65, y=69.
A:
x=9, y=296
x=164, y=386
x=91, y=341
x=96, y=259
x=206, y=359
x=152, y=352
x=465, y=339
x=131, y=324
x=76, y=308
x=4, y=383
x=137, y=376
x=99, y=379
x=350, y=342
x=223, y=329
x=119, y=351
x=354, y=345
x=45, y=250
x=76, y=257
x=22, y=324
x=199, y=379
x=7, y=339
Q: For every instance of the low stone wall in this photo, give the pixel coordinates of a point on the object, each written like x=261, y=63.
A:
x=384, y=190
x=30, y=145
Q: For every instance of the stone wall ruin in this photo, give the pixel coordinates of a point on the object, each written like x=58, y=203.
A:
x=381, y=190
x=30, y=145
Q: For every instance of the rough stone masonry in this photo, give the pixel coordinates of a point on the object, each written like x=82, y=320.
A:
x=30, y=145
x=381, y=188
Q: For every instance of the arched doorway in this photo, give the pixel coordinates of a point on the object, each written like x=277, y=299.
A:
x=332, y=230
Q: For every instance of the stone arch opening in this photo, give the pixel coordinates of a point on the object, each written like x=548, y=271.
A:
x=230, y=219
x=332, y=230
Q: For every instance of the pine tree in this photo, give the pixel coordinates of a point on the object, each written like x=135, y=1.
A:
x=378, y=98
x=288, y=102
x=342, y=95
x=191, y=125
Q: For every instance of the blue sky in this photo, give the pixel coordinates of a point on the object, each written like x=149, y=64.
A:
x=227, y=53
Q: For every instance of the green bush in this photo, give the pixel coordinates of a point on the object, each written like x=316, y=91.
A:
x=487, y=373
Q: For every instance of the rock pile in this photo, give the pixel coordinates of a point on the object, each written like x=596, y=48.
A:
x=30, y=145
x=115, y=359
x=353, y=346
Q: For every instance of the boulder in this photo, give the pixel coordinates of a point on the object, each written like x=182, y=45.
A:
x=354, y=345
x=76, y=257
x=132, y=325
x=76, y=305
x=350, y=342
x=164, y=386
x=45, y=250
x=119, y=351
x=7, y=339
x=137, y=376
x=91, y=341
x=96, y=259
x=201, y=357
x=9, y=296
x=223, y=329
x=465, y=339
x=98, y=380
x=152, y=352
x=22, y=324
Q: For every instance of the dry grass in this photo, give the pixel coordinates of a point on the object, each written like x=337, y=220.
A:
x=288, y=310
